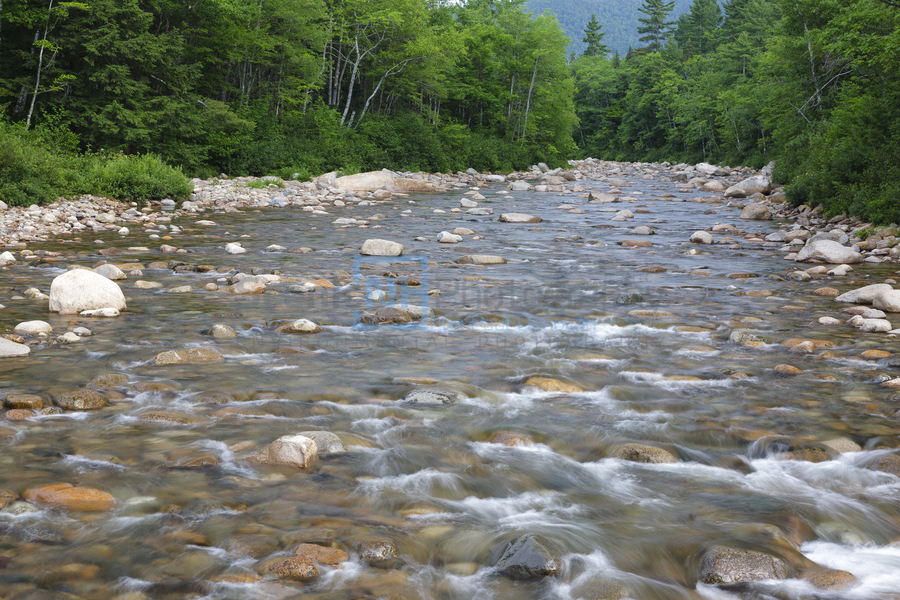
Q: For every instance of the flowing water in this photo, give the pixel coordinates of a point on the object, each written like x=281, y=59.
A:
x=425, y=477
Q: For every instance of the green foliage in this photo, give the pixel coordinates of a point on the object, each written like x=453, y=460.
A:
x=34, y=170
x=30, y=172
x=265, y=183
x=593, y=37
x=135, y=178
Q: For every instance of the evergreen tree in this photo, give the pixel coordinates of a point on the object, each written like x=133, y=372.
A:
x=699, y=28
x=656, y=26
x=593, y=37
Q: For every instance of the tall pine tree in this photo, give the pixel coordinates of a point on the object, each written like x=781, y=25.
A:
x=593, y=37
x=656, y=27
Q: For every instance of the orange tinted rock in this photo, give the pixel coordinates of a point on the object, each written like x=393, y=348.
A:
x=298, y=567
x=29, y=401
x=19, y=414
x=828, y=292
x=553, y=385
x=875, y=354
x=510, y=438
x=322, y=554
x=829, y=579
x=787, y=370
x=65, y=495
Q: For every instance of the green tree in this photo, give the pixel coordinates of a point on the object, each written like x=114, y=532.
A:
x=593, y=37
x=656, y=27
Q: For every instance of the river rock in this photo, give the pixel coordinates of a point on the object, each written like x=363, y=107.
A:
x=79, y=290
x=701, y=237
x=385, y=316
x=376, y=247
x=111, y=272
x=65, y=495
x=322, y=554
x=248, y=286
x=526, y=557
x=445, y=237
x=519, y=218
x=379, y=553
x=235, y=248
x=33, y=328
x=519, y=186
x=875, y=326
x=481, y=259
x=220, y=330
x=889, y=463
x=864, y=295
x=643, y=453
x=840, y=270
x=298, y=568
x=433, y=397
x=326, y=442
x=828, y=251
x=100, y=312
x=294, y=450
x=299, y=326
x=829, y=579
x=553, y=385
x=722, y=564
x=510, y=438
x=189, y=356
x=365, y=182
x=10, y=349
x=887, y=301
x=80, y=400
x=755, y=212
x=24, y=401
x=748, y=187
x=108, y=381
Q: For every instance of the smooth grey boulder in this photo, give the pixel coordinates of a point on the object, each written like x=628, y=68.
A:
x=887, y=301
x=433, y=397
x=865, y=294
x=722, y=564
x=11, y=349
x=829, y=252
x=365, y=182
x=755, y=212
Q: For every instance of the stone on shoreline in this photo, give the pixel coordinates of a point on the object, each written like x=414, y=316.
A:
x=828, y=251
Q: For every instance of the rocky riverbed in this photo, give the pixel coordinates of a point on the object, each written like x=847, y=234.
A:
x=608, y=381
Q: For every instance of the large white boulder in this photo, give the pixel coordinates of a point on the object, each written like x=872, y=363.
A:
x=10, y=349
x=376, y=247
x=80, y=289
x=888, y=301
x=828, y=251
x=365, y=182
x=748, y=187
x=864, y=295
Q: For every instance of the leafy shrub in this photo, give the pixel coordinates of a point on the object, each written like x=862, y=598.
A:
x=30, y=173
x=138, y=178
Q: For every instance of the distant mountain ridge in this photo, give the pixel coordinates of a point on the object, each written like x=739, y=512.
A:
x=618, y=17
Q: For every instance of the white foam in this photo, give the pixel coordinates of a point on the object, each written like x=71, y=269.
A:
x=419, y=485
x=876, y=567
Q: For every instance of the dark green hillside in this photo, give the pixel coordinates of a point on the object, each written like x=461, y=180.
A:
x=619, y=19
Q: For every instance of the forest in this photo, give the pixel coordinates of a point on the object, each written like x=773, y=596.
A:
x=94, y=93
